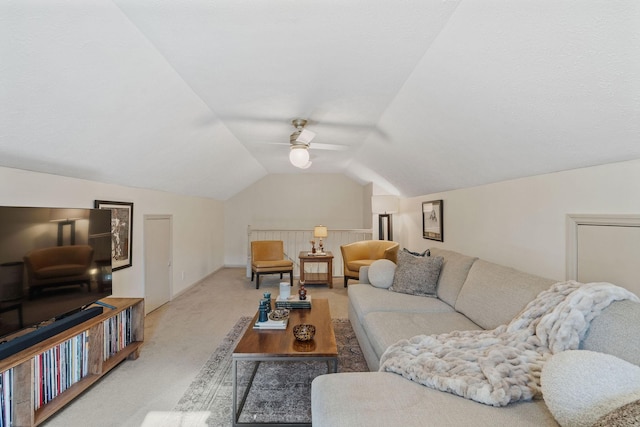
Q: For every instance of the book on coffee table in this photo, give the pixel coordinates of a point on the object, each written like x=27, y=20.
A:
x=271, y=324
x=293, y=302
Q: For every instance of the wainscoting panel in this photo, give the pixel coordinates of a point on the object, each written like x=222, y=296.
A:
x=296, y=241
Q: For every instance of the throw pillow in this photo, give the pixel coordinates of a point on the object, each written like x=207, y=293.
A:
x=427, y=252
x=580, y=386
x=381, y=273
x=416, y=275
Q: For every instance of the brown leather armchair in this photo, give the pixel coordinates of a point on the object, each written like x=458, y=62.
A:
x=58, y=266
x=267, y=257
x=11, y=293
x=363, y=253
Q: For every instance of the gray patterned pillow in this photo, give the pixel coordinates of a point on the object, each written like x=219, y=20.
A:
x=416, y=275
x=427, y=252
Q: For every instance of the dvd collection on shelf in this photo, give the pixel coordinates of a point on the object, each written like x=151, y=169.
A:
x=118, y=333
x=53, y=371
x=6, y=392
x=58, y=368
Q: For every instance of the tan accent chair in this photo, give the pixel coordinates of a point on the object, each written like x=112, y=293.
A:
x=267, y=257
x=363, y=253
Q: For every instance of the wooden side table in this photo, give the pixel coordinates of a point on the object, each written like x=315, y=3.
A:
x=314, y=278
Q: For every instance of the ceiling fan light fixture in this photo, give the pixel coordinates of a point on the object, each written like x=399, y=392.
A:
x=299, y=157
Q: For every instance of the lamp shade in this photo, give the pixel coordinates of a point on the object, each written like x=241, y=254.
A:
x=299, y=157
x=384, y=204
x=64, y=214
x=320, y=231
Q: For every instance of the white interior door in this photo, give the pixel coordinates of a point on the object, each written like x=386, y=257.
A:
x=157, y=260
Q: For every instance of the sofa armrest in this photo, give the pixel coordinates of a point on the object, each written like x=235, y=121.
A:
x=614, y=332
x=364, y=275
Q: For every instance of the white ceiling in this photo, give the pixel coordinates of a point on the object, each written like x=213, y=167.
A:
x=188, y=96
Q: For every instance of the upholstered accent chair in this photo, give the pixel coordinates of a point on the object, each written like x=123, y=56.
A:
x=363, y=253
x=58, y=266
x=267, y=257
x=11, y=293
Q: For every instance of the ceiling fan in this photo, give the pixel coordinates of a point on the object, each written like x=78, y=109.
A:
x=300, y=142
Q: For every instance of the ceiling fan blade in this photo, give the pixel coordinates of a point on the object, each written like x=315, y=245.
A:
x=305, y=136
x=333, y=147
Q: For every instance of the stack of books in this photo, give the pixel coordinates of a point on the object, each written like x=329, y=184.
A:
x=293, y=302
x=271, y=324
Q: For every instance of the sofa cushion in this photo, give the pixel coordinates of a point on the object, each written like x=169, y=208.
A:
x=455, y=269
x=493, y=294
x=614, y=332
x=366, y=298
x=380, y=273
x=386, y=328
x=416, y=275
x=579, y=386
x=359, y=263
x=383, y=399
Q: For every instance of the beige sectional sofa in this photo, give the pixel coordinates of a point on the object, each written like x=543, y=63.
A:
x=471, y=294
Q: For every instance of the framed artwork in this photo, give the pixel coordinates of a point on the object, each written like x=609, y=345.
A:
x=432, y=227
x=121, y=232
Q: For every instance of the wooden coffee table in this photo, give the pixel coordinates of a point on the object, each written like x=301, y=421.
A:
x=280, y=345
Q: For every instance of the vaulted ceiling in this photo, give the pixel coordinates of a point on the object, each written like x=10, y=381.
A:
x=194, y=96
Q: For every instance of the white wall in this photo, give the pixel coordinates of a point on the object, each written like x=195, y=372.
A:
x=291, y=202
x=198, y=235
x=521, y=223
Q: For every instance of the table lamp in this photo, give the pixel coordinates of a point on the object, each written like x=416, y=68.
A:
x=320, y=232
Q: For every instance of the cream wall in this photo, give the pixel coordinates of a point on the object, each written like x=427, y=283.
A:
x=291, y=202
x=367, y=220
x=521, y=223
x=198, y=235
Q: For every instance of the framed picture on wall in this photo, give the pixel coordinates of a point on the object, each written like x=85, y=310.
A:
x=432, y=226
x=121, y=232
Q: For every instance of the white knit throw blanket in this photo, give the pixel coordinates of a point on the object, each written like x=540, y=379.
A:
x=503, y=365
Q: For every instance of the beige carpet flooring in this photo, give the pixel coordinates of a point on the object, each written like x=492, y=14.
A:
x=179, y=338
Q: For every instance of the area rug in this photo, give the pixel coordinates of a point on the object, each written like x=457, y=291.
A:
x=281, y=391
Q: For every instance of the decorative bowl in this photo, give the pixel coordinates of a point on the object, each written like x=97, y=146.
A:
x=279, y=314
x=304, y=332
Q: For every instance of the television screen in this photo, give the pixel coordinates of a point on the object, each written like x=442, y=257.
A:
x=53, y=262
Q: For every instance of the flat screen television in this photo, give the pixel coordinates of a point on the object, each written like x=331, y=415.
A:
x=53, y=262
